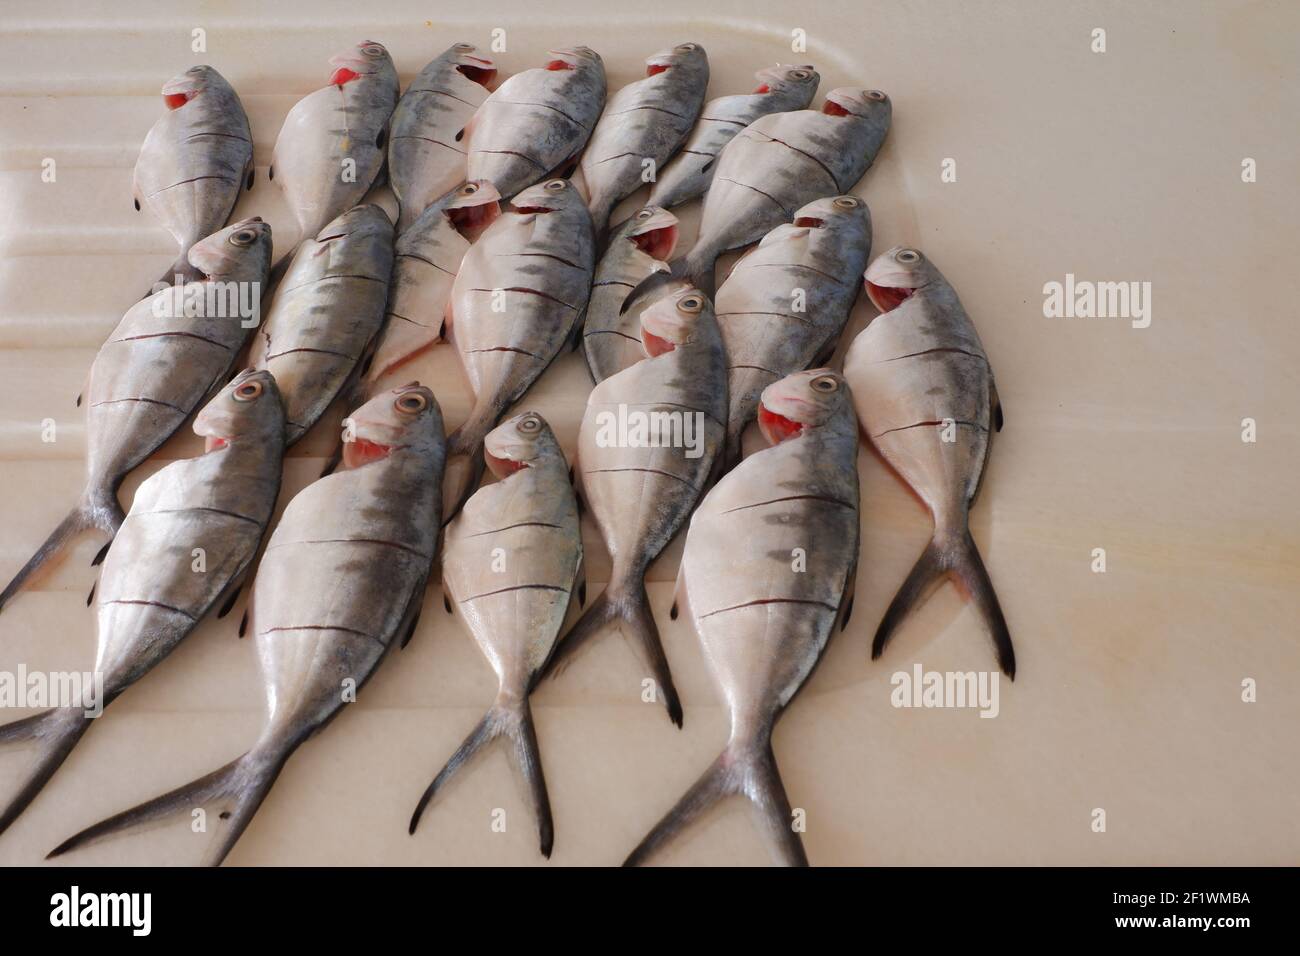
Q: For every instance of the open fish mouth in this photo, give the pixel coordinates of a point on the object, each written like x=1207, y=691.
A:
x=214, y=443
x=362, y=451
x=809, y=222
x=503, y=467
x=776, y=427
x=470, y=221
x=481, y=71
x=886, y=298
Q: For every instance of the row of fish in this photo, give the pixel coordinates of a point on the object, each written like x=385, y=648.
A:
x=509, y=264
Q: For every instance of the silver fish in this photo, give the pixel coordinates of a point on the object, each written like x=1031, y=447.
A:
x=781, y=88
x=516, y=301
x=157, y=367
x=325, y=313
x=427, y=257
x=149, y=596
x=642, y=485
x=786, y=302
x=340, y=583
x=926, y=397
x=333, y=142
x=645, y=121
x=537, y=121
x=639, y=248
x=762, y=620
x=515, y=614
x=426, y=157
x=194, y=161
x=776, y=164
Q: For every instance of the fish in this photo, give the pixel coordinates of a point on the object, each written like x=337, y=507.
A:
x=536, y=122
x=325, y=313
x=645, y=122
x=149, y=594
x=514, y=611
x=426, y=158
x=781, y=89
x=517, y=300
x=767, y=574
x=775, y=165
x=332, y=145
x=640, y=247
x=158, y=366
x=427, y=257
x=194, y=162
x=641, y=486
x=927, y=400
x=784, y=305
x=341, y=581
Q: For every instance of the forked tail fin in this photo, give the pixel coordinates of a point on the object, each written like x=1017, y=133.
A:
x=696, y=268
x=182, y=268
x=56, y=732
x=465, y=464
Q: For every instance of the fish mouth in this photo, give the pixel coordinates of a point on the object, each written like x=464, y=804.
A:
x=886, y=298
x=503, y=467
x=655, y=345
x=657, y=243
x=534, y=210
x=362, y=451
x=483, y=74
x=214, y=443
x=471, y=221
x=654, y=69
x=809, y=222
x=176, y=100
x=776, y=427
x=831, y=108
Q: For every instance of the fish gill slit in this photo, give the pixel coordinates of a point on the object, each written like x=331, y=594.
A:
x=933, y=351
x=516, y=587
x=182, y=335
x=375, y=541
x=528, y=291
x=802, y=152
x=183, y=182
x=768, y=196
x=147, y=401
x=424, y=259
x=931, y=424
x=158, y=604
x=739, y=607
x=216, y=511
x=652, y=471
x=511, y=527
x=505, y=348
x=829, y=499
x=450, y=96
x=630, y=338
x=342, y=355
x=647, y=106
x=545, y=255
x=553, y=109
x=513, y=152
x=322, y=627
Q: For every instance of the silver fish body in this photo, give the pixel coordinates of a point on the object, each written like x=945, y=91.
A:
x=644, y=122
x=194, y=161
x=151, y=592
x=927, y=400
x=167, y=356
x=687, y=176
x=785, y=303
x=340, y=583
x=426, y=155
x=762, y=617
x=640, y=247
x=325, y=313
x=640, y=487
x=536, y=121
x=515, y=611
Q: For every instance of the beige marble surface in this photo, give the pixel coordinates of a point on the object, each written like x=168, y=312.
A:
x=1123, y=165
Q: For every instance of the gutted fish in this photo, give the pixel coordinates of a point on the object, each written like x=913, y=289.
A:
x=325, y=313
x=151, y=595
x=768, y=571
x=516, y=301
x=427, y=257
x=775, y=165
x=529, y=520
x=646, y=448
x=341, y=581
x=925, y=395
x=784, y=305
x=640, y=247
x=780, y=89
x=642, y=127
x=426, y=155
x=537, y=122
x=333, y=142
x=170, y=353
x=194, y=161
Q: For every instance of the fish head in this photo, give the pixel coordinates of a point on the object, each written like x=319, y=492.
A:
x=785, y=76
x=653, y=230
x=547, y=197
x=240, y=252
x=804, y=400
x=249, y=409
x=182, y=88
x=396, y=420
x=472, y=206
x=685, y=56
x=864, y=104
x=575, y=58
x=832, y=212
x=472, y=64
x=895, y=275
x=674, y=320
x=367, y=58
x=519, y=443
x=359, y=220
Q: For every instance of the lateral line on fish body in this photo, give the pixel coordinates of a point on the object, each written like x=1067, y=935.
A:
x=939, y=349
x=760, y=504
x=757, y=368
x=542, y=255
x=375, y=541
x=511, y=527
x=275, y=355
x=802, y=319
x=516, y=587
x=183, y=182
x=428, y=92
x=545, y=106
x=175, y=511
x=336, y=275
x=768, y=196
x=646, y=106
x=505, y=348
x=934, y=424
x=436, y=142
x=526, y=291
x=426, y=261
x=158, y=604
x=630, y=338
x=322, y=627
x=408, y=319
x=794, y=265
x=651, y=471
x=222, y=135
x=802, y=152
x=512, y=152
x=163, y=335
x=774, y=600
x=147, y=401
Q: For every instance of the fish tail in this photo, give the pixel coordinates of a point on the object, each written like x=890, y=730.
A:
x=697, y=268
x=465, y=464
x=748, y=770
x=98, y=508
x=180, y=272
x=513, y=720
x=239, y=789
x=623, y=602
x=57, y=731
x=950, y=554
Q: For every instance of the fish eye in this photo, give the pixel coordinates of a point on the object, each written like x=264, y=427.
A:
x=465, y=47
x=876, y=95
x=248, y=391
x=687, y=48
x=908, y=255
x=645, y=214
x=372, y=50
x=468, y=189
x=411, y=403
x=845, y=202
x=799, y=74
x=244, y=237
x=825, y=383
x=690, y=304
x=555, y=185
x=530, y=425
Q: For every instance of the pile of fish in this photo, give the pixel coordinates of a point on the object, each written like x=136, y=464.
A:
x=494, y=252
